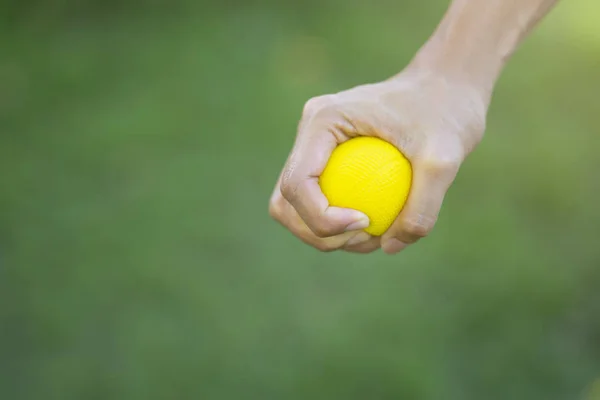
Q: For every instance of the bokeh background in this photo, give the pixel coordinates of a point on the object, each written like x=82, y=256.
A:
x=140, y=142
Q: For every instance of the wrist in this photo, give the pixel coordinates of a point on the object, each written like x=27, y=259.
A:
x=475, y=40
x=478, y=71
x=461, y=63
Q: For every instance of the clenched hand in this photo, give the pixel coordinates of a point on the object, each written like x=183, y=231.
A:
x=433, y=122
x=434, y=112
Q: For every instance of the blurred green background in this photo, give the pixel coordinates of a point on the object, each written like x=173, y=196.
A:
x=140, y=142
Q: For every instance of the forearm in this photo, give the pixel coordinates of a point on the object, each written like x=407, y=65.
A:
x=476, y=38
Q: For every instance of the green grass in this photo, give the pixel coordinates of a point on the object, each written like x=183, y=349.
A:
x=138, y=260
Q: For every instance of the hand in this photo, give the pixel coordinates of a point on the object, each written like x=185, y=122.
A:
x=433, y=121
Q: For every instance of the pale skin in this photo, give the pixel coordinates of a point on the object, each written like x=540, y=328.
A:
x=434, y=111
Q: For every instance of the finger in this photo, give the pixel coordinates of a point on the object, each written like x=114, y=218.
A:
x=368, y=246
x=286, y=215
x=431, y=180
x=295, y=225
x=300, y=184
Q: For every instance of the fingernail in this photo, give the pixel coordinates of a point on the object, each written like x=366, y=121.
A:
x=357, y=225
x=392, y=246
x=358, y=239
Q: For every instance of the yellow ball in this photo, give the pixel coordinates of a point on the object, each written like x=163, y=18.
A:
x=369, y=175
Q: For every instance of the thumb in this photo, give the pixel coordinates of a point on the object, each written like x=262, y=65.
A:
x=300, y=184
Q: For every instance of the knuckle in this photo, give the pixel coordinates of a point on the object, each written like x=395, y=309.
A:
x=419, y=227
x=316, y=104
x=289, y=189
x=442, y=163
x=443, y=152
x=323, y=229
x=324, y=246
x=475, y=134
x=477, y=123
x=360, y=249
x=311, y=106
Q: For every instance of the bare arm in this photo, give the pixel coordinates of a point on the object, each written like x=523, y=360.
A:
x=434, y=111
x=476, y=38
